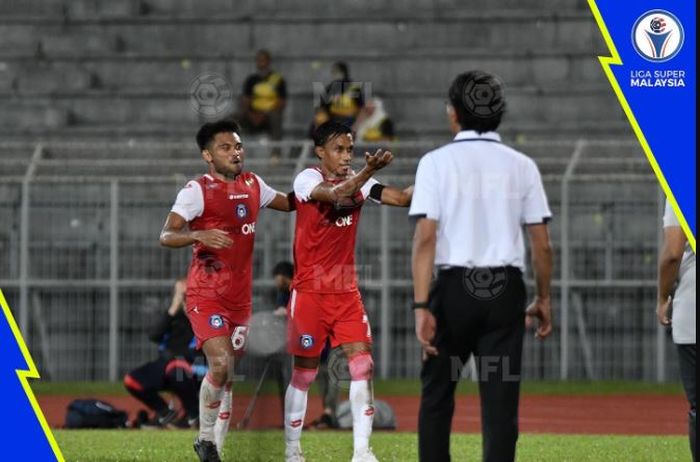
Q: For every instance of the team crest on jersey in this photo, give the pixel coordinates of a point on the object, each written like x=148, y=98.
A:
x=306, y=341
x=216, y=321
x=241, y=211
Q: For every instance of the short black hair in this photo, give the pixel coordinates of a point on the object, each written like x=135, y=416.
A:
x=343, y=68
x=477, y=98
x=329, y=130
x=263, y=52
x=209, y=130
x=283, y=268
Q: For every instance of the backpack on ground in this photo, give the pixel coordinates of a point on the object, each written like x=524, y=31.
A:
x=93, y=413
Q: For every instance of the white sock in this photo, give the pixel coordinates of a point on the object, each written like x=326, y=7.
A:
x=209, y=402
x=294, y=413
x=362, y=405
x=223, y=417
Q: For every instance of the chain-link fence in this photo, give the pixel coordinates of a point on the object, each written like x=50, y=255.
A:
x=83, y=271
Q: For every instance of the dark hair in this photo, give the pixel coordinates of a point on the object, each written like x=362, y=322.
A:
x=343, y=68
x=209, y=130
x=263, y=52
x=329, y=130
x=477, y=98
x=283, y=268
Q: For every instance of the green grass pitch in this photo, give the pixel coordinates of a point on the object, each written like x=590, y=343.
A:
x=174, y=446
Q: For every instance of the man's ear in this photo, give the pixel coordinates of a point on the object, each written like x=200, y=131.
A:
x=452, y=115
x=318, y=150
x=206, y=155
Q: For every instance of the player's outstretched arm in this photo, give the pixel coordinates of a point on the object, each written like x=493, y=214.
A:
x=335, y=193
x=176, y=234
x=397, y=197
x=283, y=202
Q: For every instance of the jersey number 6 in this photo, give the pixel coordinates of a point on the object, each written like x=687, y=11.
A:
x=239, y=337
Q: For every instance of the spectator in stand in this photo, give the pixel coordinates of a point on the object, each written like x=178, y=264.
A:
x=342, y=101
x=373, y=123
x=263, y=101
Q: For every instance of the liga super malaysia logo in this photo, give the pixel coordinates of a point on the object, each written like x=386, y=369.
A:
x=657, y=36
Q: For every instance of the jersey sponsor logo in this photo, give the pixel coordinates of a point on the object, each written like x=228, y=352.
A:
x=342, y=222
x=306, y=341
x=216, y=321
x=248, y=228
x=241, y=211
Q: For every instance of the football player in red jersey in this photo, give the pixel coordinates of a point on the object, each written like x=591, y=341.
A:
x=325, y=300
x=216, y=215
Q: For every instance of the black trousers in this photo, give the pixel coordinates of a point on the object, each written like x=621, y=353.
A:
x=686, y=357
x=479, y=312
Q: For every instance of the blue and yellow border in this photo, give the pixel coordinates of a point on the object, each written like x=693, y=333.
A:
x=614, y=59
x=30, y=373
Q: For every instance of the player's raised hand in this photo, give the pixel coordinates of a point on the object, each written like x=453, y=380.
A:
x=541, y=310
x=379, y=159
x=214, y=238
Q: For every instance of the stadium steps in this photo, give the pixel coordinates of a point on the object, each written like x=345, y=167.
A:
x=596, y=129
x=99, y=107
x=414, y=71
x=177, y=37
x=80, y=9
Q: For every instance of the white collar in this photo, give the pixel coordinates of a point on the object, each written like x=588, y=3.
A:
x=472, y=135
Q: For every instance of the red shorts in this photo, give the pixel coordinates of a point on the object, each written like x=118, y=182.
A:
x=314, y=317
x=209, y=319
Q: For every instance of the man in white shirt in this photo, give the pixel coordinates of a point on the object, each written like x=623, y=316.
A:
x=677, y=264
x=472, y=199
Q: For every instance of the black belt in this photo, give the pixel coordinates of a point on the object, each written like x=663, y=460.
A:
x=511, y=270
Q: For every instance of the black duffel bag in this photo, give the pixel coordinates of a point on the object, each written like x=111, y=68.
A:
x=93, y=413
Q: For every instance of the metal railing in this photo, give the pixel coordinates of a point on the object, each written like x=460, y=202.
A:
x=81, y=265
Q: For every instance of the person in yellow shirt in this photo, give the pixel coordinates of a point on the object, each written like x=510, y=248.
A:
x=373, y=123
x=263, y=100
x=345, y=98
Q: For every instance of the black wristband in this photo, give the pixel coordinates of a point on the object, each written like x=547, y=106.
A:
x=420, y=305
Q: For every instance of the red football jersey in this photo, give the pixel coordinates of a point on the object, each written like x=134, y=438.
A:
x=223, y=276
x=324, y=238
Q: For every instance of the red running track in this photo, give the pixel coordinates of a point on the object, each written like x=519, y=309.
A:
x=622, y=415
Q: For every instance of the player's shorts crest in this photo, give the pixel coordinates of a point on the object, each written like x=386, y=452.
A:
x=306, y=341
x=216, y=321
